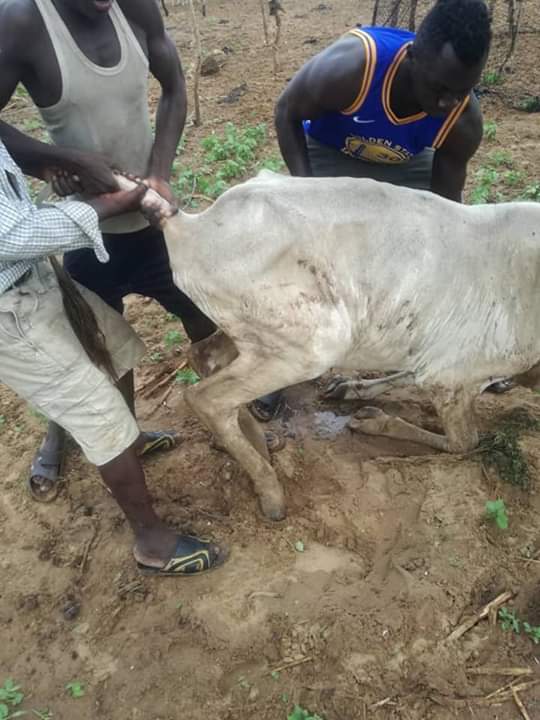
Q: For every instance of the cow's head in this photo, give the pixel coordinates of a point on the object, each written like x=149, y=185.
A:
x=449, y=53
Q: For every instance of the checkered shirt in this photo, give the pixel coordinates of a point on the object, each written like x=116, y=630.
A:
x=29, y=234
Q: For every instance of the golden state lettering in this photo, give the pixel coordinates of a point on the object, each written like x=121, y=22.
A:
x=375, y=150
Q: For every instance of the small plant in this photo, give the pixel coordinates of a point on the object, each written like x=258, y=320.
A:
x=10, y=697
x=491, y=78
x=173, y=338
x=532, y=631
x=75, y=689
x=490, y=130
x=500, y=157
x=299, y=546
x=530, y=104
x=509, y=620
x=484, y=190
x=531, y=192
x=300, y=714
x=187, y=376
x=156, y=356
x=501, y=448
x=496, y=511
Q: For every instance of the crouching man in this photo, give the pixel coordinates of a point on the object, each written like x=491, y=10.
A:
x=66, y=367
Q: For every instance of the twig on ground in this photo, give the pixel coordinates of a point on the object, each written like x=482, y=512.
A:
x=292, y=664
x=151, y=387
x=471, y=622
x=510, y=671
x=521, y=706
x=262, y=593
x=381, y=703
x=90, y=542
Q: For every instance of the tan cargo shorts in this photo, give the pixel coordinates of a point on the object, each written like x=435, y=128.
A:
x=43, y=362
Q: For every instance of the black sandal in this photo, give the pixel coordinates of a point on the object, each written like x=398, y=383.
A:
x=49, y=466
x=192, y=556
x=267, y=407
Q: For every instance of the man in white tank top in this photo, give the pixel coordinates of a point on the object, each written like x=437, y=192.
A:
x=85, y=65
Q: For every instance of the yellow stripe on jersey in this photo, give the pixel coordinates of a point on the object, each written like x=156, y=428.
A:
x=371, y=60
x=449, y=123
x=387, y=90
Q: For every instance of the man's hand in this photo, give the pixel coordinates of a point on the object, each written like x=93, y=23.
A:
x=79, y=172
x=157, y=210
x=108, y=205
x=162, y=188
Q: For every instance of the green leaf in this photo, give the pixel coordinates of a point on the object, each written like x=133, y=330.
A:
x=4, y=711
x=187, y=376
x=75, y=689
x=275, y=675
x=299, y=546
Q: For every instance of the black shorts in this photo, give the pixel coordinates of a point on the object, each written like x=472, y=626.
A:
x=139, y=263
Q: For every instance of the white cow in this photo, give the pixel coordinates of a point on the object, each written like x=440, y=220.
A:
x=305, y=274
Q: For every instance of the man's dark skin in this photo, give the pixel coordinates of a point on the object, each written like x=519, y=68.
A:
x=33, y=63
x=428, y=82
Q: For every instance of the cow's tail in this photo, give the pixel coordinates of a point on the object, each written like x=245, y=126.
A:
x=83, y=321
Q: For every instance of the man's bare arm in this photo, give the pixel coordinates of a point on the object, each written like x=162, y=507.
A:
x=166, y=67
x=451, y=159
x=328, y=82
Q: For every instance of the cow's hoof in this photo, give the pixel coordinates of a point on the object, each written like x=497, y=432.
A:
x=272, y=507
x=369, y=420
x=335, y=388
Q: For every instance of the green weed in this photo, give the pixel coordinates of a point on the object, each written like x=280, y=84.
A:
x=500, y=157
x=156, y=356
x=300, y=714
x=501, y=447
x=187, y=376
x=531, y=192
x=173, y=338
x=75, y=689
x=10, y=697
x=532, y=631
x=530, y=104
x=490, y=130
x=485, y=189
x=491, y=78
x=227, y=157
x=496, y=511
x=509, y=620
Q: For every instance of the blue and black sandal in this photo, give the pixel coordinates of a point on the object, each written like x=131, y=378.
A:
x=159, y=441
x=192, y=556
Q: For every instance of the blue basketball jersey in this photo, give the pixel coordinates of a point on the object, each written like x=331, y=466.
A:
x=369, y=129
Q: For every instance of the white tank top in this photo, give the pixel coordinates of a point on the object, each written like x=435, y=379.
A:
x=102, y=109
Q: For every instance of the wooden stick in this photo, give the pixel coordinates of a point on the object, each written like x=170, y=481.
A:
x=286, y=666
x=468, y=624
x=265, y=24
x=82, y=566
x=520, y=705
x=198, y=62
x=150, y=388
x=509, y=671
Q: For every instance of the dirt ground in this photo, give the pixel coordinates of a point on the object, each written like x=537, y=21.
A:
x=396, y=552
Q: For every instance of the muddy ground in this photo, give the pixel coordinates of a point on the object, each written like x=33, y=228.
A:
x=396, y=550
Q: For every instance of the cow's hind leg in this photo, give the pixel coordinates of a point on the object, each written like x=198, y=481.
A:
x=217, y=399
x=455, y=409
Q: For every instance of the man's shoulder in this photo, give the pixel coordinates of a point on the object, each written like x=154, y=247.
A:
x=18, y=19
x=144, y=13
